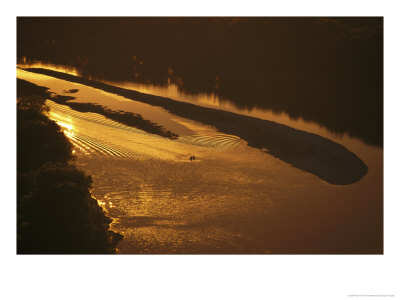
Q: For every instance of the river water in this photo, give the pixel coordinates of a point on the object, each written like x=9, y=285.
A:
x=231, y=199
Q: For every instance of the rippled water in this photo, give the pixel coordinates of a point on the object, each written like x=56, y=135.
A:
x=231, y=199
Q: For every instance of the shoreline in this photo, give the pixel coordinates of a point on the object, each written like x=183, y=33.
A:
x=309, y=152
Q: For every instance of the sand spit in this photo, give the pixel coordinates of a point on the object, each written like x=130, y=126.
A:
x=309, y=152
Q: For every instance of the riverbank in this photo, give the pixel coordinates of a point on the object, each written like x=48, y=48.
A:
x=56, y=213
x=309, y=152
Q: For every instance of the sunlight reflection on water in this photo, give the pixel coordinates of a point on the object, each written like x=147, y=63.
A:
x=231, y=199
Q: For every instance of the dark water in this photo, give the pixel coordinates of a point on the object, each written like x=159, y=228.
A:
x=325, y=70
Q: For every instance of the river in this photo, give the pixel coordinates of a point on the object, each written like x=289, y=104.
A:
x=231, y=199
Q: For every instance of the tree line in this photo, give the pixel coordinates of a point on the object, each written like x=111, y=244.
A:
x=56, y=213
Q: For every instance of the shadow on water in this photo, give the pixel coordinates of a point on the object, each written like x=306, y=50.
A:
x=309, y=152
x=126, y=118
x=324, y=70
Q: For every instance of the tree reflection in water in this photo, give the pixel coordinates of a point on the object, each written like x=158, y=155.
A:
x=326, y=70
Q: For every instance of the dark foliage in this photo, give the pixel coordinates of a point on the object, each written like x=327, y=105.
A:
x=56, y=213
x=38, y=138
x=27, y=89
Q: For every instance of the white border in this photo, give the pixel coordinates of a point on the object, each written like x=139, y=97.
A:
x=200, y=277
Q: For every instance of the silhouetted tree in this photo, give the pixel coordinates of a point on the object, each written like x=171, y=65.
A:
x=57, y=214
x=39, y=140
x=55, y=210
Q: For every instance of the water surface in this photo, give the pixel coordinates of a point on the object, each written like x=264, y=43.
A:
x=232, y=199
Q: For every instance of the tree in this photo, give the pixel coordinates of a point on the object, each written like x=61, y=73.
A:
x=56, y=213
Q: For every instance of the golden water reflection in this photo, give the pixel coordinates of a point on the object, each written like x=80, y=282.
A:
x=54, y=67
x=231, y=199
x=172, y=91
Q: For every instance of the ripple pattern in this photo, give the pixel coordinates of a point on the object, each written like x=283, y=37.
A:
x=97, y=139
x=91, y=117
x=216, y=142
x=88, y=145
